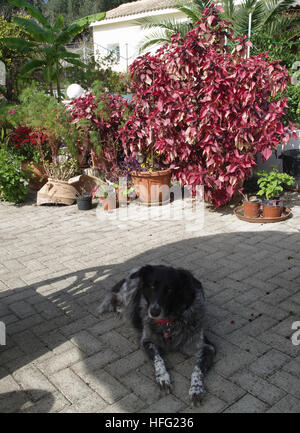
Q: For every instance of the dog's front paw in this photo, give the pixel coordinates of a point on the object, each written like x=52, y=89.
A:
x=196, y=394
x=164, y=382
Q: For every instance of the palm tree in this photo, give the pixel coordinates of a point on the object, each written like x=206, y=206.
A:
x=269, y=20
x=46, y=49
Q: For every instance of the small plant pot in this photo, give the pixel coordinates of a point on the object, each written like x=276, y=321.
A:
x=109, y=203
x=271, y=210
x=84, y=202
x=252, y=208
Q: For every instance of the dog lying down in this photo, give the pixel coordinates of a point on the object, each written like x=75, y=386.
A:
x=167, y=306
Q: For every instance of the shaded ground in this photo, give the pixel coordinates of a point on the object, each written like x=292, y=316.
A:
x=56, y=264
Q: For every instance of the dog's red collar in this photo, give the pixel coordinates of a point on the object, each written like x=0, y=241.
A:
x=162, y=321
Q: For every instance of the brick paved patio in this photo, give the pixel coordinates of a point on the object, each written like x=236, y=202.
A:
x=56, y=264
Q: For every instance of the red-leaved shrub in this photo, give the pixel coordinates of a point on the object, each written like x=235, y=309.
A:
x=99, y=118
x=27, y=143
x=206, y=109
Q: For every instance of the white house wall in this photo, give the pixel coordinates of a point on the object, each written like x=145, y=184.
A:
x=125, y=33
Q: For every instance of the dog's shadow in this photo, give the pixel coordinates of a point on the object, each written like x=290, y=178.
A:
x=54, y=334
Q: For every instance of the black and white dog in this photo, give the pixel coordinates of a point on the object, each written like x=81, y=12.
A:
x=167, y=306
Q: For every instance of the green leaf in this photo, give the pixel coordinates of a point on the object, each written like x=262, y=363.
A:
x=36, y=31
x=35, y=13
x=58, y=23
x=85, y=21
x=76, y=62
x=32, y=65
x=18, y=44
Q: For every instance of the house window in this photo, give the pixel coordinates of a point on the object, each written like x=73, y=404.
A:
x=114, y=48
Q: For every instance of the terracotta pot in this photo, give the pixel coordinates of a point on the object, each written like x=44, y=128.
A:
x=272, y=211
x=39, y=177
x=252, y=208
x=57, y=192
x=152, y=187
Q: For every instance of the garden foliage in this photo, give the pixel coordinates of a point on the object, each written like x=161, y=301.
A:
x=98, y=117
x=13, y=179
x=206, y=109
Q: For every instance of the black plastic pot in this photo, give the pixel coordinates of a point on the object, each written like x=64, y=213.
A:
x=84, y=202
x=291, y=162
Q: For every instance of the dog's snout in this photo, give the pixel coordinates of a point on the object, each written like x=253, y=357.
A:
x=155, y=310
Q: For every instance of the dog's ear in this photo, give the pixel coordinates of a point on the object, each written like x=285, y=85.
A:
x=142, y=272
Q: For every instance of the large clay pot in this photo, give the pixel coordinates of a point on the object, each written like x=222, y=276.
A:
x=152, y=187
x=57, y=192
x=38, y=177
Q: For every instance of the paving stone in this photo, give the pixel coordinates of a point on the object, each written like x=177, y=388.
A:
x=287, y=404
x=109, y=388
x=268, y=363
x=11, y=402
x=28, y=342
x=130, y=403
x=210, y=404
x=95, y=361
x=70, y=385
x=61, y=361
x=93, y=403
x=247, y=404
x=22, y=309
x=50, y=403
x=123, y=366
x=144, y=388
x=168, y=404
x=286, y=381
x=293, y=367
x=30, y=377
x=258, y=387
x=87, y=342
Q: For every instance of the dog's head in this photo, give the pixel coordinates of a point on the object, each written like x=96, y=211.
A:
x=168, y=291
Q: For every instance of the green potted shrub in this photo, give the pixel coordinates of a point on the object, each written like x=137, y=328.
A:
x=271, y=185
x=14, y=180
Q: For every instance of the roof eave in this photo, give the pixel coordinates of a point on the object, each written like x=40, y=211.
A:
x=134, y=17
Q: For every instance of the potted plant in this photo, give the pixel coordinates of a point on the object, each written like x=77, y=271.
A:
x=271, y=185
x=251, y=206
x=23, y=142
x=207, y=133
x=84, y=200
x=49, y=122
x=152, y=181
x=14, y=180
x=57, y=189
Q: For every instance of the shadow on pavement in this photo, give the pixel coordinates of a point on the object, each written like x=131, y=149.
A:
x=241, y=272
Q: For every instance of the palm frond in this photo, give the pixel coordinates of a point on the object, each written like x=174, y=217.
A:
x=229, y=9
x=274, y=8
x=167, y=24
x=155, y=38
